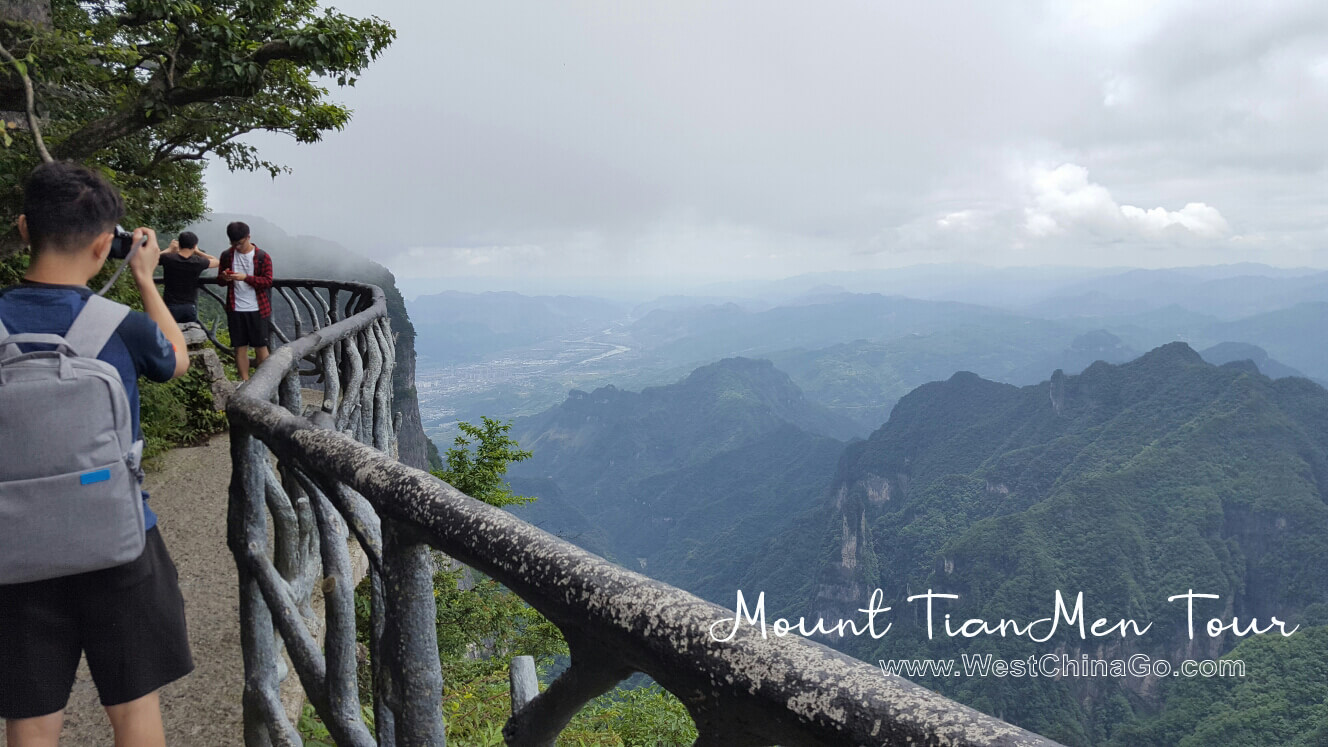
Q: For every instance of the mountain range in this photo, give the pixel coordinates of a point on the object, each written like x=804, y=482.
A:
x=1130, y=482
x=683, y=481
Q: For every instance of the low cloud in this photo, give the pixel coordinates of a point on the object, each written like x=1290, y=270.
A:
x=435, y=262
x=1065, y=201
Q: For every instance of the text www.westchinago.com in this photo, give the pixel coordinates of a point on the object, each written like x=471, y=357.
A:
x=1059, y=666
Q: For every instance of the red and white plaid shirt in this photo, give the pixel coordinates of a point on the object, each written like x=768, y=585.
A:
x=261, y=279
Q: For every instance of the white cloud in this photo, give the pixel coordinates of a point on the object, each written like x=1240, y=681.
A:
x=961, y=220
x=1196, y=217
x=1064, y=200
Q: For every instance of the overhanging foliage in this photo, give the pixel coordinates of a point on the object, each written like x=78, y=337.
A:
x=147, y=89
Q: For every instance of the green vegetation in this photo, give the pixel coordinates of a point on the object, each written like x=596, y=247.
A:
x=639, y=717
x=482, y=627
x=479, y=473
x=1282, y=699
x=1155, y=476
x=179, y=412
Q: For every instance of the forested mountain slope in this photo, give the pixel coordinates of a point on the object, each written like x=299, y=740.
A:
x=685, y=482
x=1130, y=483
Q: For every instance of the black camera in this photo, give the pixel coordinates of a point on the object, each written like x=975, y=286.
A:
x=122, y=243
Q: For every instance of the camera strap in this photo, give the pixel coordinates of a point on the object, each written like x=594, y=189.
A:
x=116, y=275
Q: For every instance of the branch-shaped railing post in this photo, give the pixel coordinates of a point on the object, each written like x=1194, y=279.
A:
x=265, y=722
x=524, y=682
x=544, y=717
x=408, y=645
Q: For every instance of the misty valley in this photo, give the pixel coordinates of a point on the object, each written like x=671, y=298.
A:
x=995, y=435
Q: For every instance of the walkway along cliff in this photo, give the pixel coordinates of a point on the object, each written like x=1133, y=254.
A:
x=336, y=477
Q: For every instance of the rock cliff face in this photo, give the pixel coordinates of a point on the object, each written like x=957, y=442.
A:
x=1130, y=483
x=412, y=445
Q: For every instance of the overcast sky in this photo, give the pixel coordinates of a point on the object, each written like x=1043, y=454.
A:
x=765, y=139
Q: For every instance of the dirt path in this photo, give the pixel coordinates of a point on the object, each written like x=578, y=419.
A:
x=203, y=709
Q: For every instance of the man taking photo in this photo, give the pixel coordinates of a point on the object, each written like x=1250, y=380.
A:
x=127, y=618
x=181, y=265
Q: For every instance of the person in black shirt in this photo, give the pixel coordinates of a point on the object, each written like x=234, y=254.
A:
x=181, y=264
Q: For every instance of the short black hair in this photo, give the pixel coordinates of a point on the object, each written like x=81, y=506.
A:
x=188, y=240
x=66, y=205
x=236, y=231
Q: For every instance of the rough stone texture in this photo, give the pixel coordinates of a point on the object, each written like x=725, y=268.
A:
x=355, y=357
x=292, y=694
x=36, y=12
x=1058, y=391
x=412, y=444
x=202, y=355
x=194, y=336
x=222, y=388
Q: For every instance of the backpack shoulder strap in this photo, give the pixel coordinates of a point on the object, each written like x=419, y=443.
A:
x=6, y=350
x=94, y=325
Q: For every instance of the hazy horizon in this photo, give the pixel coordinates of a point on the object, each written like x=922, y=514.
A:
x=644, y=288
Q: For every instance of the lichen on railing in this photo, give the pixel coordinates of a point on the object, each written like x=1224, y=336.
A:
x=336, y=477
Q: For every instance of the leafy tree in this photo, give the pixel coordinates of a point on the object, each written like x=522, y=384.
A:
x=147, y=89
x=479, y=473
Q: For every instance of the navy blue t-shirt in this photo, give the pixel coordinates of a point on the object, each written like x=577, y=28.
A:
x=138, y=348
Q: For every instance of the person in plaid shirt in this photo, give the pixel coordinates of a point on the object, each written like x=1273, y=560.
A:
x=247, y=272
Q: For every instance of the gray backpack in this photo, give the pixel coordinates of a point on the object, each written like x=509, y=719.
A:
x=70, y=498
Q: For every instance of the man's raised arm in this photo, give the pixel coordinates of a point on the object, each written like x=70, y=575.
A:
x=142, y=264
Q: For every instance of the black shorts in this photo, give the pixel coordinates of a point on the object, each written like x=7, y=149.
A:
x=128, y=619
x=248, y=328
x=183, y=312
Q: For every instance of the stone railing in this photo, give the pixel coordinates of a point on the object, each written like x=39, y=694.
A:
x=335, y=477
